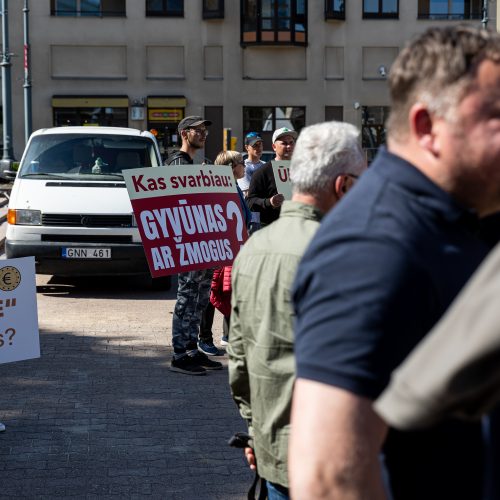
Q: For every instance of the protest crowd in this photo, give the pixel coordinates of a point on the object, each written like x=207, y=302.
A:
x=359, y=317
x=337, y=284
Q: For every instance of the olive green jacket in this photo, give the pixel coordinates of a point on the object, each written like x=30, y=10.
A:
x=261, y=359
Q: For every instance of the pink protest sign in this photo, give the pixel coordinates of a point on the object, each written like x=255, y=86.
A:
x=189, y=216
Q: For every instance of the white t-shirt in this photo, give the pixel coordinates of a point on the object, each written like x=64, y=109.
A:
x=250, y=168
x=244, y=182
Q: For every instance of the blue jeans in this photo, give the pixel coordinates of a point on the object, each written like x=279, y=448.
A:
x=276, y=492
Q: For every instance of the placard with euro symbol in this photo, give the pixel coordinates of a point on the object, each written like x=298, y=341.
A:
x=189, y=216
x=19, y=335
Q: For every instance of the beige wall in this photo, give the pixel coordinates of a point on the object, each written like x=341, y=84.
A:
x=203, y=61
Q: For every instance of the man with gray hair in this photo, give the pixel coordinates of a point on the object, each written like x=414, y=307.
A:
x=384, y=267
x=326, y=163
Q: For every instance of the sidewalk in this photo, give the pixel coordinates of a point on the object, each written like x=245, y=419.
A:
x=99, y=415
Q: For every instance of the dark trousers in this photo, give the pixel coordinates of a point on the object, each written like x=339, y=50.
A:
x=225, y=326
x=207, y=320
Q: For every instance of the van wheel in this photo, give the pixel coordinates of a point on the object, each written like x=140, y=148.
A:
x=163, y=283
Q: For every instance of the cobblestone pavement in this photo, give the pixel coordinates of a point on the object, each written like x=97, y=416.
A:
x=99, y=415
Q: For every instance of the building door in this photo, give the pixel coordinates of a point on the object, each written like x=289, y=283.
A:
x=214, y=146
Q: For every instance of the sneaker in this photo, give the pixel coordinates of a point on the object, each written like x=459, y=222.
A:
x=205, y=362
x=208, y=348
x=224, y=341
x=2, y=427
x=187, y=365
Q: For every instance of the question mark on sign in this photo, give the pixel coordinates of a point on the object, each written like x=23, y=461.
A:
x=12, y=333
x=231, y=210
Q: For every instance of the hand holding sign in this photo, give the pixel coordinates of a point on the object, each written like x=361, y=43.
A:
x=281, y=170
x=277, y=200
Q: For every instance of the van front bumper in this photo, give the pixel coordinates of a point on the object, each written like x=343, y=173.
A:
x=126, y=259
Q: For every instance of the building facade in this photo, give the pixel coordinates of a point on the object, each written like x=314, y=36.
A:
x=247, y=65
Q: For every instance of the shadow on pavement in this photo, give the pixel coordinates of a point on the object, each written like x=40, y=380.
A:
x=104, y=287
x=101, y=416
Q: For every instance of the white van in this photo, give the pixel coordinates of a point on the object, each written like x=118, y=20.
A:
x=69, y=206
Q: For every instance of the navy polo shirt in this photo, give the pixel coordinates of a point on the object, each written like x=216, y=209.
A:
x=379, y=273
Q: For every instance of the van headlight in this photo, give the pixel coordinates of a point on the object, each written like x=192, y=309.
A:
x=24, y=217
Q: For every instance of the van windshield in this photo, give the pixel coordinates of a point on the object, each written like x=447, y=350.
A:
x=85, y=156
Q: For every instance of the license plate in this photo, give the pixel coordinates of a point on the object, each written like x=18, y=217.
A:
x=86, y=253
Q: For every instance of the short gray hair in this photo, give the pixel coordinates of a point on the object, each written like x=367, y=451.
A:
x=323, y=152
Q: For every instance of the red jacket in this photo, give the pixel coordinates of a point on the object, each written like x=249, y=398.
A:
x=220, y=295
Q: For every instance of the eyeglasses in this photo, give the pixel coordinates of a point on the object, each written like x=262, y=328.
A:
x=199, y=131
x=353, y=176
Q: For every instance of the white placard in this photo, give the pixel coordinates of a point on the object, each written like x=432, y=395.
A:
x=19, y=336
x=281, y=170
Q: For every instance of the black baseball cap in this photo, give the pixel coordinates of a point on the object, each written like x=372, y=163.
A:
x=192, y=121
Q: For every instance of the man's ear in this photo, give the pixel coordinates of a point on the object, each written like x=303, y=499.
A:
x=340, y=186
x=422, y=127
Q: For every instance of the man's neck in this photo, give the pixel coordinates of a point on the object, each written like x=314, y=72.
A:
x=186, y=148
x=315, y=201
x=439, y=173
x=424, y=161
x=253, y=159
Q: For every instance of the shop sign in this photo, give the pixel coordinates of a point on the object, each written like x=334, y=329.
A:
x=165, y=114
